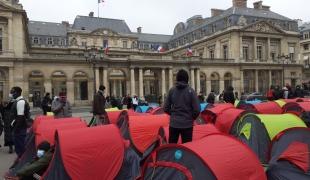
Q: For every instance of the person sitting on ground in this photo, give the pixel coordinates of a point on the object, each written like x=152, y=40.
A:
x=38, y=166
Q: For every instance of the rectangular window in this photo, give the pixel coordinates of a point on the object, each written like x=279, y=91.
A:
x=225, y=52
x=259, y=52
x=62, y=42
x=84, y=43
x=1, y=45
x=50, y=41
x=35, y=40
x=245, y=53
x=211, y=52
x=306, y=36
x=105, y=43
x=273, y=56
x=125, y=44
x=292, y=53
x=306, y=47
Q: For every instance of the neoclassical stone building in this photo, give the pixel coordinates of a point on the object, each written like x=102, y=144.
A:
x=238, y=46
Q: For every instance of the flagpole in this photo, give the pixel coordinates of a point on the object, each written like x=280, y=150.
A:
x=98, y=9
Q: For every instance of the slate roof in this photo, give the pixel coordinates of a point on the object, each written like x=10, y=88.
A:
x=46, y=28
x=93, y=23
x=159, y=38
x=305, y=27
x=235, y=11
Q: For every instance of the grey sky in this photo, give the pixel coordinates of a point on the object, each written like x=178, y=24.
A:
x=155, y=16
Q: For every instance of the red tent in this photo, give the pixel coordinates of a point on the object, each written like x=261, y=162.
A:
x=216, y=156
x=144, y=130
x=98, y=154
x=227, y=118
x=209, y=115
x=38, y=120
x=269, y=107
x=199, y=131
x=115, y=116
x=289, y=155
x=301, y=109
x=157, y=111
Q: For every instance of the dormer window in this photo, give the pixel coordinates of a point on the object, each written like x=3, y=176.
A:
x=49, y=41
x=83, y=28
x=35, y=40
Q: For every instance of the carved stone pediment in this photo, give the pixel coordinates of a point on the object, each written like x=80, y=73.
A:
x=263, y=26
x=104, y=32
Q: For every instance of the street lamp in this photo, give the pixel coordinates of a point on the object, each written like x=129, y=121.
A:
x=93, y=56
x=284, y=60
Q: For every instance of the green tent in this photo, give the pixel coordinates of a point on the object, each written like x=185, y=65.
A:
x=257, y=130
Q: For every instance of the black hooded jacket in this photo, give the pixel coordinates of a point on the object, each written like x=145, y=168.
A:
x=182, y=105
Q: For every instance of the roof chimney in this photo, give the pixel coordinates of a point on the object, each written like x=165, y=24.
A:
x=216, y=12
x=65, y=23
x=91, y=14
x=240, y=3
x=139, y=30
x=258, y=5
x=266, y=8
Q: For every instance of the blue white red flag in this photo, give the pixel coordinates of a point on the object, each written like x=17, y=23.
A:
x=189, y=51
x=160, y=49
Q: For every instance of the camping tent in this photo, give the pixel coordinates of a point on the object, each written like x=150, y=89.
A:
x=269, y=107
x=143, y=109
x=144, y=132
x=204, y=106
x=289, y=154
x=99, y=154
x=216, y=156
x=157, y=111
x=301, y=109
x=45, y=131
x=244, y=103
x=257, y=130
x=226, y=120
x=209, y=115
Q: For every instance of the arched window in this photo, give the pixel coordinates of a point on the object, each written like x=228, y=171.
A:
x=117, y=83
x=59, y=84
x=36, y=87
x=215, y=82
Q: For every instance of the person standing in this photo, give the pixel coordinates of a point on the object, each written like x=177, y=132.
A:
x=99, y=106
x=61, y=106
x=46, y=104
x=182, y=105
x=135, y=102
x=271, y=93
x=299, y=93
x=229, y=96
x=20, y=115
x=6, y=112
x=211, y=97
x=201, y=97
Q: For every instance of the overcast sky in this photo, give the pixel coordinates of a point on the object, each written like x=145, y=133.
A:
x=154, y=16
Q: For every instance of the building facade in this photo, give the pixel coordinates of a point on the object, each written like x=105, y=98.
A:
x=305, y=50
x=247, y=48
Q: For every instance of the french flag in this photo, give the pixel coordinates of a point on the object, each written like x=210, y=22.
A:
x=160, y=49
x=106, y=49
x=189, y=51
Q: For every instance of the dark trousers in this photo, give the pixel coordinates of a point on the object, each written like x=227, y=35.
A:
x=186, y=134
x=19, y=138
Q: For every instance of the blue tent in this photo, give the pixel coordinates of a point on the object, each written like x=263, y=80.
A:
x=204, y=106
x=143, y=109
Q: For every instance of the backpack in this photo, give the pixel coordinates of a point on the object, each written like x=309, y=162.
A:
x=27, y=113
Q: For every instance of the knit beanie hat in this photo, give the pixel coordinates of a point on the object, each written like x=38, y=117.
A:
x=45, y=146
x=182, y=76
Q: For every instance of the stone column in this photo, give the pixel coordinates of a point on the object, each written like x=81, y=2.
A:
x=105, y=80
x=241, y=48
x=222, y=85
x=255, y=48
x=170, y=78
x=205, y=52
x=114, y=87
x=270, y=78
x=70, y=91
x=163, y=82
x=141, y=82
x=198, y=81
x=132, y=81
x=217, y=49
x=241, y=82
x=208, y=84
x=48, y=85
x=268, y=50
x=256, y=80
x=11, y=77
x=97, y=78
x=120, y=88
x=192, y=78
x=10, y=34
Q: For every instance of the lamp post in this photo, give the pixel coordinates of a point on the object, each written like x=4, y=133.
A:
x=284, y=60
x=93, y=56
